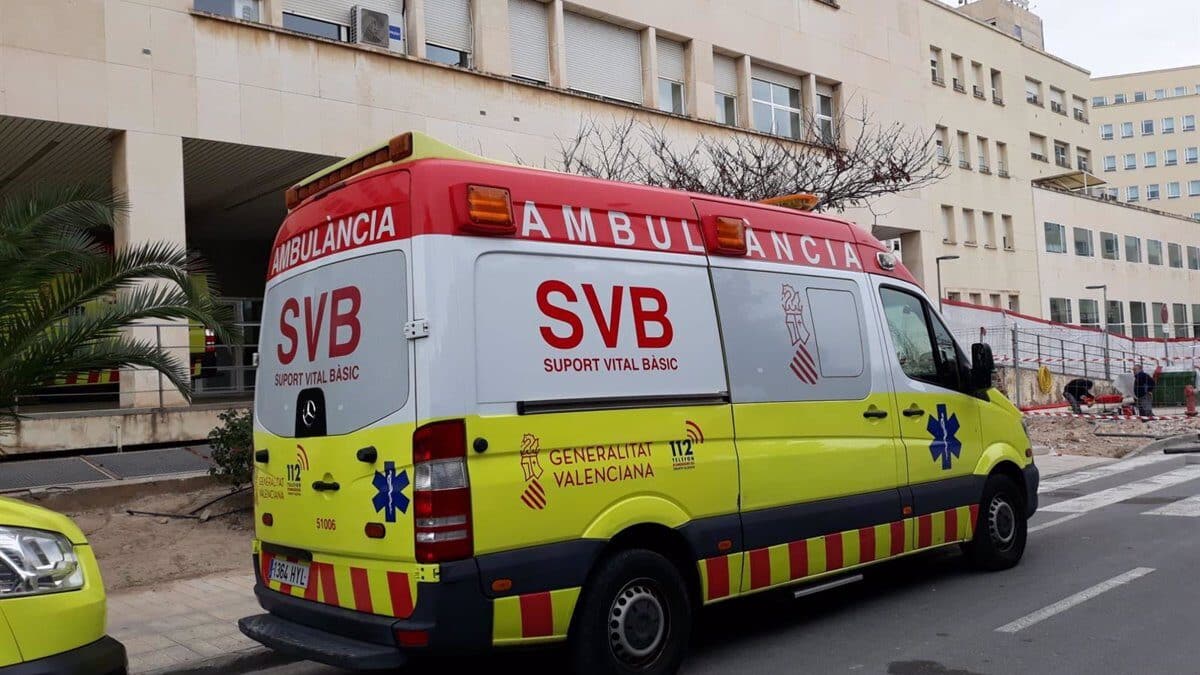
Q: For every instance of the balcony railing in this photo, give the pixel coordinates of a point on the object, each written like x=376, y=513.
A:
x=959, y=86
x=978, y=91
x=1057, y=107
x=997, y=98
x=1002, y=169
x=1038, y=156
x=939, y=80
x=1082, y=117
x=1063, y=162
x=1033, y=98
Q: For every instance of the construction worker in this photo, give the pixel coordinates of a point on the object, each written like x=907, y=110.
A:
x=1143, y=390
x=1078, y=392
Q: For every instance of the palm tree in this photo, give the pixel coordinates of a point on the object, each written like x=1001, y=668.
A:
x=54, y=262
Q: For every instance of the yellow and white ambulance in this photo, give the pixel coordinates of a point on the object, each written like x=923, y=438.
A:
x=502, y=406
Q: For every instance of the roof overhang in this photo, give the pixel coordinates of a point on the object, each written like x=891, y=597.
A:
x=1071, y=181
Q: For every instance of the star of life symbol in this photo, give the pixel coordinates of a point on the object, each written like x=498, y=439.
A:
x=944, y=430
x=534, y=495
x=803, y=365
x=389, y=491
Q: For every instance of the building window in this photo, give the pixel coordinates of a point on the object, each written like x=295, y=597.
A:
x=1189, y=122
x=1154, y=252
x=1033, y=91
x=948, y=228
x=725, y=82
x=1110, y=162
x=825, y=114
x=1056, y=238
x=1114, y=317
x=448, y=32
x=1191, y=155
x=1173, y=190
x=1119, y=98
x=1152, y=192
x=1139, y=96
x=1007, y=223
x=1194, y=188
x=1137, y=320
x=726, y=109
x=1126, y=129
x=1151, y=159
x=1060, y=310
x=670, y=76
x=1106, y=132
x=1171, y=157
x=1133, y=249
x=1089, y=313
x=1179, y=314
x=529, y=40
x=1132, y=194
x=1195, y=320
x=1175, y=256
x=1181, y=91
x=246, y=11
x=776, y=108
x=1147, y=127
x=1193, y=258
x=450, y=57
x=1110, y=246
x=317, y=27
x=603, y=59
x=1099, y=101
x=1083, y=242
x=1168, y=125
x=1157, y=310
x=1160, y=94
x=935, y=66
x=1014, y=303
x=1130, y=161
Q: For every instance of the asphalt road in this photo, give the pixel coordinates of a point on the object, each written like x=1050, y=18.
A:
x=1105, y=587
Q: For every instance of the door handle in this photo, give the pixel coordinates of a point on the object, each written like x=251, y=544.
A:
x=875, y=414
x=322, y=486
x=913, y=412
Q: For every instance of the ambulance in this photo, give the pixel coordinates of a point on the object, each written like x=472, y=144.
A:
x=500, y=406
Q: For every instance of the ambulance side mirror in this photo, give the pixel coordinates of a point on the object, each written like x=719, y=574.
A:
x=982, y=366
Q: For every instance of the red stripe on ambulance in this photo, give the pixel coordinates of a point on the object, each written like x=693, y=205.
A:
x=537, y=615
x=362, y=590
x=866, y=544
x=402, y=601
x=717, y=570
x=760, y=568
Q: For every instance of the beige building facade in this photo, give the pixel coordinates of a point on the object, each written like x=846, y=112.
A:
x=1146, y=138
x=204, y=111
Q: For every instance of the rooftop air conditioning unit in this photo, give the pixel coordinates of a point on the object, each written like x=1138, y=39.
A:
x=370, y=27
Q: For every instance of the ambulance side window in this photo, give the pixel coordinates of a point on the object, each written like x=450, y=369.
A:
x=924, y=348
x=791, y=337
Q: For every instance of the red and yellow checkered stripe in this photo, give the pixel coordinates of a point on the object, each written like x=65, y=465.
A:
x=90, y=377
x=370, y=589
x=736, y=574
x=533, y=617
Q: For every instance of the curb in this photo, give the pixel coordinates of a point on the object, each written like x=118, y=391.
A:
x=1163, y=443
x=237, y=663
x=109, y=493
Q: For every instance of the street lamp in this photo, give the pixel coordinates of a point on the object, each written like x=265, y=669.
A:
x=1103, y=288
x=938, y=261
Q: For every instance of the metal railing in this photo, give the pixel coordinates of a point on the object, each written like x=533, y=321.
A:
x=226, y=371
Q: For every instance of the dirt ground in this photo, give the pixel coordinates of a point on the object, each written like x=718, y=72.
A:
x=1077, y=436
x=138, y=550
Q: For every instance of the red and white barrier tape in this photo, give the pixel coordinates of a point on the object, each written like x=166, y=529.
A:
x=1057, y=359
x=1103, y=416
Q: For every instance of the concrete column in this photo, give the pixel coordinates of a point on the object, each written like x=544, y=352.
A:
x=272, y=12
x=745, y=104
x=147, y=169
x=558, y=45
x=414, y=27
x=698, y=71
x=492, y=53
x=650, y=67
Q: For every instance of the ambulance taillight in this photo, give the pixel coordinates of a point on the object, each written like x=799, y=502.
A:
x=725, y=235
x=441, y=493
x=488, y=210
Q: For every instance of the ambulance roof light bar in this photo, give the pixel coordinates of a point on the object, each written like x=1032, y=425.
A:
x=409, y=146
x=801, y=201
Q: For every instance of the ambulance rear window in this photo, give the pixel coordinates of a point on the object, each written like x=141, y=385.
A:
x=335, y=334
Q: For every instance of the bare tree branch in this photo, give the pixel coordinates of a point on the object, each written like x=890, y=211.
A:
x=845, y=161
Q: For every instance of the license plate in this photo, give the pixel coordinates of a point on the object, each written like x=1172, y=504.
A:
x=290, y=573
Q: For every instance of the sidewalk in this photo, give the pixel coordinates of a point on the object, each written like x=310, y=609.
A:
x=188, y=624
x=1052, y=465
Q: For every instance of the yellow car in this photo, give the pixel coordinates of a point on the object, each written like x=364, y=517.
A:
x=49, y=578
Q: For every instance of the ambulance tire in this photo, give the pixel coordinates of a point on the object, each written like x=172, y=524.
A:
x=634, y=616
x=1000, y=530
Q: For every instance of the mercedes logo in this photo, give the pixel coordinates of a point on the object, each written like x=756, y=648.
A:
x=310, y=413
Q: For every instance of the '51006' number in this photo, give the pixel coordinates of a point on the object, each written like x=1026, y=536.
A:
x=326, y=524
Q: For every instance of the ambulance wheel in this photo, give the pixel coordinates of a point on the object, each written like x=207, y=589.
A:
x=1001, y=527
x=634, y=616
